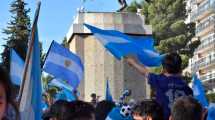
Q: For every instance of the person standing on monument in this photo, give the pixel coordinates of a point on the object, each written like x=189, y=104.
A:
x=123, y=4
x=169, y=84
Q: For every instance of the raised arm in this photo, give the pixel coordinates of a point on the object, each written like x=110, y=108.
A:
x=141, y=68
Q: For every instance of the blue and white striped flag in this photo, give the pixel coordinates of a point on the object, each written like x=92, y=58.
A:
x=121, y=45
x=16, y=67
x=63, y=64
x=61, y=84
x=31, y=89
x=117, y=43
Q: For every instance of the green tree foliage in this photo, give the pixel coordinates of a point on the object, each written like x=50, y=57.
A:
x=170, y=31
x=51, y=91
x=211, y=97
x=17, y=31
x=134, y=6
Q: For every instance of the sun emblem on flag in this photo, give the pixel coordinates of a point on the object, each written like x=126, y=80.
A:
x=67, y=63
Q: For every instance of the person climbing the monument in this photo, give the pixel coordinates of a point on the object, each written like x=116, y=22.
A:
x=168, y=85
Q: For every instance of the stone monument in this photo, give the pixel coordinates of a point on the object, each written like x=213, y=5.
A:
x=100, y=65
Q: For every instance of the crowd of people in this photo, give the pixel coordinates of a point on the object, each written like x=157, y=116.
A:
x=173, y=99
x=184, y=108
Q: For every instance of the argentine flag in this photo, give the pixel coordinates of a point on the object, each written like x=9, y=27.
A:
x=31, y=88
x=63, y=64
x=121, y=45
x=61, y=84
x=118, y=44
x=16, y=67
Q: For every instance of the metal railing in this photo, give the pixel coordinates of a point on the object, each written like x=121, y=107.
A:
x=207, y=23
x=206, y=42
x=207, y=77
x=209, y=5
x=202, y=63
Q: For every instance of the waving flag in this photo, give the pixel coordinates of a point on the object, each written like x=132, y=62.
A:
x=65, y=94
x=63, y=64
x=121, y=45
x=108, y=93
x=31, y=89
x=211, y=112
x=61, y=84
x=116, y=42
x=150, y=58
x=16, y=67
x=199, y=92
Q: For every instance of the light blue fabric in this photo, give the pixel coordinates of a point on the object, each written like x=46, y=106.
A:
x=108, y=95
x=44, y=106
x=31, y=96
x=33, y=87
x=65, y=94
x=116, y=42
x=199, y=92
x=36, y=79
x=16, y=67
x=150, y=58
x=211, y=112
x=63, y=64
x=121, y=45
x=61, y=84
x=115, y=115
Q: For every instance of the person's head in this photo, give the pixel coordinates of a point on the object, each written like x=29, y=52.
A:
x=60, y=110
x=81, y=111
x=93, y=96
x=5, y=93
x=103, y=108
x=148, y=110
x=186, y=108
x=172, y=63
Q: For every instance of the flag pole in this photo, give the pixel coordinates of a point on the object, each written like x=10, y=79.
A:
x=30, y=49
x=43, y=62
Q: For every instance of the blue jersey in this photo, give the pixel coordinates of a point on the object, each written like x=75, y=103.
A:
x=168, y=88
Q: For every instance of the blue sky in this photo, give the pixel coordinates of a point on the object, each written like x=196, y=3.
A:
x=56, y=16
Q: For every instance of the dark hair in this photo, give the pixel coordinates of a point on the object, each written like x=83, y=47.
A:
x=60, y=110
x=6, y=82
x=93, y=95
x=186, y=108
x=172, y=63
x=103, y=108
x=80, y=109
x=150, y=108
